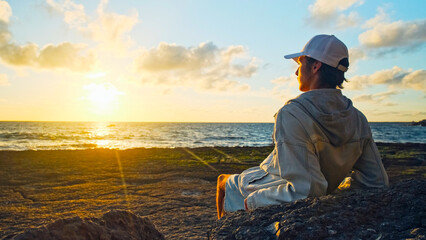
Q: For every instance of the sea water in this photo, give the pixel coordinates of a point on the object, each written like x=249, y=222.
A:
x=20, y=136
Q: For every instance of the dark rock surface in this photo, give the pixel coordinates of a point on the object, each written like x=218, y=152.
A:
x=112, y=225
x=394, y=213
x=421, y=123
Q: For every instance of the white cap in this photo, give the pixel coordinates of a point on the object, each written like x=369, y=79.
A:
x=324, y=48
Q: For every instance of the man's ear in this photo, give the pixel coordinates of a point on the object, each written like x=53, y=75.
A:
x=316, y=66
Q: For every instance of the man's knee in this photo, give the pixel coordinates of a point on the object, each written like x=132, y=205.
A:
x=221, y=177
x=221, y=180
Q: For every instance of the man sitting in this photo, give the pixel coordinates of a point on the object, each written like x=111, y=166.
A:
x=319, y=138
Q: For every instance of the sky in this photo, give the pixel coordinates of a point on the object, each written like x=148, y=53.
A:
x=201, y=61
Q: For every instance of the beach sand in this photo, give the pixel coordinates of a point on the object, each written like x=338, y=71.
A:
x=174, y=188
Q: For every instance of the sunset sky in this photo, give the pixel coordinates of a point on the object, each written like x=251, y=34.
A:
x=201, y=61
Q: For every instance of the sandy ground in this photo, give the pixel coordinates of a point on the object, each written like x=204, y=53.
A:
x=175, y=188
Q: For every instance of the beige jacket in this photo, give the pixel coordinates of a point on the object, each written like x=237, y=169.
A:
x=319, y=138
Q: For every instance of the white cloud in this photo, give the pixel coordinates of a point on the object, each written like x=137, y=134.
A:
x=4, y=80
x=171, y=56
x=284, y=94
x=379, y=115
x=64, y=55
x=346, y=21
x=281, y=80
x=395, y=77
x=328, y=13
x=13, y=54
x=74, y=14
x=377, y=98
x=356, y=54
x=416, y=80
x=5, y=11
x=380, y=17
x=109, y=29
x=357, y=82
x=231, y=52
x=382, y=33
x=285, y=88
x=204, y=67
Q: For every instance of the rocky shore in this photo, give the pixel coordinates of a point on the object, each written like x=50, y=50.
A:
x=175, y=190
x=394, y=213
x=112, y=225
x=419, y=123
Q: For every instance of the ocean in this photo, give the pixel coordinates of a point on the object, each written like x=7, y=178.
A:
x=20, y=136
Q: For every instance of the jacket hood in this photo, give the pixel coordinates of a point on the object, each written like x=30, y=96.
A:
x=332, y=111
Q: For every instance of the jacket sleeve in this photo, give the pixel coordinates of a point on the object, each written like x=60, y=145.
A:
x=369, y=170
x=298, y=165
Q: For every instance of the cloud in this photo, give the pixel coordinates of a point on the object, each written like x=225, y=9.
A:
x=109, y=29
x=5, y=11
x=13, y=54
x=377, y=98
x=416, y=80
x=205, y=66
x=285, y=88
x=380, y=17
x=326, y=13
x=395, y=77
x=4, y=80
x=64, y=55
x=389, y=115
x=282, y=80
x=355, y=54
x=357, y=82
x=350, y=20
x=170, y=56
x=74, y=14
x=5, y=14
x=382, y=33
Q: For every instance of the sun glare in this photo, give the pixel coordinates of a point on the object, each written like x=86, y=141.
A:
x=102, y=96
x=95, y=75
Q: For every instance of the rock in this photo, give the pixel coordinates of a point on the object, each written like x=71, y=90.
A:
x=397, y=212
x=421, y=123
x=112, y=225
x=273, y=228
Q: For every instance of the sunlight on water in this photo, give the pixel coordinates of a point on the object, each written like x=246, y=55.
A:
x=100, y=130
x=100, y=133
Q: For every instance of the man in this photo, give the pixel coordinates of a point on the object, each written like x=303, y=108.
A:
x=319, y=138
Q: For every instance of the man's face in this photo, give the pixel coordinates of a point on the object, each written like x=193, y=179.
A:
x=304, y=74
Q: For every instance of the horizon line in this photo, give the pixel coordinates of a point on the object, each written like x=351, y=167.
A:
x=70, y=121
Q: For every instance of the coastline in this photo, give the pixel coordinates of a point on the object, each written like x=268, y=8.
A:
x=174, y=187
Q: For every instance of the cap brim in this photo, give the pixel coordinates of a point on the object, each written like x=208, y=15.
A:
x=294, y=55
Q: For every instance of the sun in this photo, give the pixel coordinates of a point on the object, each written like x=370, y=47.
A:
x=103, y=96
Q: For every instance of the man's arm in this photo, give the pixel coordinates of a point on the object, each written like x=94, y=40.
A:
x=300, y=168
x=296, y=162
x=369, y=170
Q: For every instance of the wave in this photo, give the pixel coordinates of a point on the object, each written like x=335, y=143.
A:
x=56, y=136
x=222, y=138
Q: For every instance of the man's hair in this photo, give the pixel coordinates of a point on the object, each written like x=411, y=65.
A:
x=329, y=76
